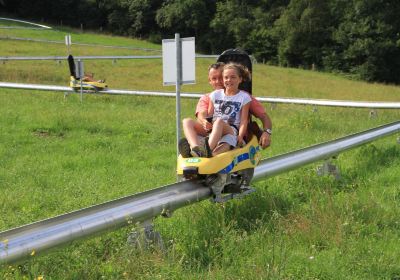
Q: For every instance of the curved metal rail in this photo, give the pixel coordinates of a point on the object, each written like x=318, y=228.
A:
x=323, y=151
x=332, y=103
x=30, y=239
x=20, y=243
x=79, y=44
x=60, y=58
x=88, y=57
x=27, y=22
x=336, y=103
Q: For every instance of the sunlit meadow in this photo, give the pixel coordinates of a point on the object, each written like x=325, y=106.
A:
x=58, y=154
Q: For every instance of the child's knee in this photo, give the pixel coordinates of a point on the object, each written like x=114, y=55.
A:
x=218, y=122
x=187, y=121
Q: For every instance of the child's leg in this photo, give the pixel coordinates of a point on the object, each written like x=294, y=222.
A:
x=219, y=128
x=192, y=129
x=221, y=148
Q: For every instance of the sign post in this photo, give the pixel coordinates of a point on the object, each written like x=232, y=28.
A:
x=178, y=69
x=68, y=43
x=178, y=45
x=80, y=74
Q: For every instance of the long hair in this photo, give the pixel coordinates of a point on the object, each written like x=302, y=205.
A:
x=241, y=70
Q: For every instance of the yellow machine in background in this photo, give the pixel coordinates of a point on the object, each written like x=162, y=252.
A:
x=96, y=86
x=86, y=84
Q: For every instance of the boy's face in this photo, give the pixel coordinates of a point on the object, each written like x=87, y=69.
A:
x=215, y=78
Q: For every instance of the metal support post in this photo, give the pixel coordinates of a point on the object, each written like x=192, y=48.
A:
x=328, y=168
x=68, y=43
x=373, y=114
x=80, y=74
x=178, y=89
x=144, y=237
x=81, y=91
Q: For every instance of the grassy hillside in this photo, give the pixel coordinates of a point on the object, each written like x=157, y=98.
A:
x=58, y=155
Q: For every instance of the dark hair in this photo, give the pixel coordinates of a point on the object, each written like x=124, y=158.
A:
x=216, y=66
x=242, y=70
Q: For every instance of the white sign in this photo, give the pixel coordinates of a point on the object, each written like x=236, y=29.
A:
x=169, y=61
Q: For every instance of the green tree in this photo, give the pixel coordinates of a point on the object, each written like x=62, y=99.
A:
x=304, y=30
x=231, y=25
x=262, y=41
x=187, y=17
x=143, y=13
x=368, y=41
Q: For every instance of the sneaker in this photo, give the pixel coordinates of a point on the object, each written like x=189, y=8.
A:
x=198, y=151
x=184, y=148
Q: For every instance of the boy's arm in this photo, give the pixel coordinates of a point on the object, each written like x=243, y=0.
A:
x=259, y=112
x=265, y=139
x=244, y=119
x=202, y=105
x=203, y=109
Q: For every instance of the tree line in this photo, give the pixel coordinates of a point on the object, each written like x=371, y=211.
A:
x=357, y=37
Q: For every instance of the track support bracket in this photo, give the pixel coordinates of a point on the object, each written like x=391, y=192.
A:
x=144, y=237
x=328, y=168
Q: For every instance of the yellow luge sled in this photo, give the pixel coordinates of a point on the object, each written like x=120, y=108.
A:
x=238, y=159
x=96, y=86
x=75, y=82
x=228, y=175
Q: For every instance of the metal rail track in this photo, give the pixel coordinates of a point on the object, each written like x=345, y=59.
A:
x=332, y=103
x=25, y=241
x=315, y=102
x=39, y=26
x=78, y=44
x=90, y=57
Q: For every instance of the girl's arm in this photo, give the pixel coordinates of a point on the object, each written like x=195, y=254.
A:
x=244, y=119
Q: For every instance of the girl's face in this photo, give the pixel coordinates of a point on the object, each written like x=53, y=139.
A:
x=215, y=78
x=231, y=79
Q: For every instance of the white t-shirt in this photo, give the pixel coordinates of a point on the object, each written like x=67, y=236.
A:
x=227, y=107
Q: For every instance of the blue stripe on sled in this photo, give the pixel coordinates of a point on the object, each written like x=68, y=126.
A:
x=240, y=158
x=230, y=166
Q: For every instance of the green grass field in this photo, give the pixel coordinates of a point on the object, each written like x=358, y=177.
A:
x=58, y=155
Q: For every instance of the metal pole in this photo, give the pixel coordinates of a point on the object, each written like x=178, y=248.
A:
x=332, y=103
x=20, y=243
x=350, y=104
x=80, y=74
x=81, y=92
x=87, y=57
x=178, y=89
x=323, y=151
x=28, y=240
x=27, y=22
x=68, y=43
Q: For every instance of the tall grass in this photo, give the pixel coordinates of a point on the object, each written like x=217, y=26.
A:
x=58, y=155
